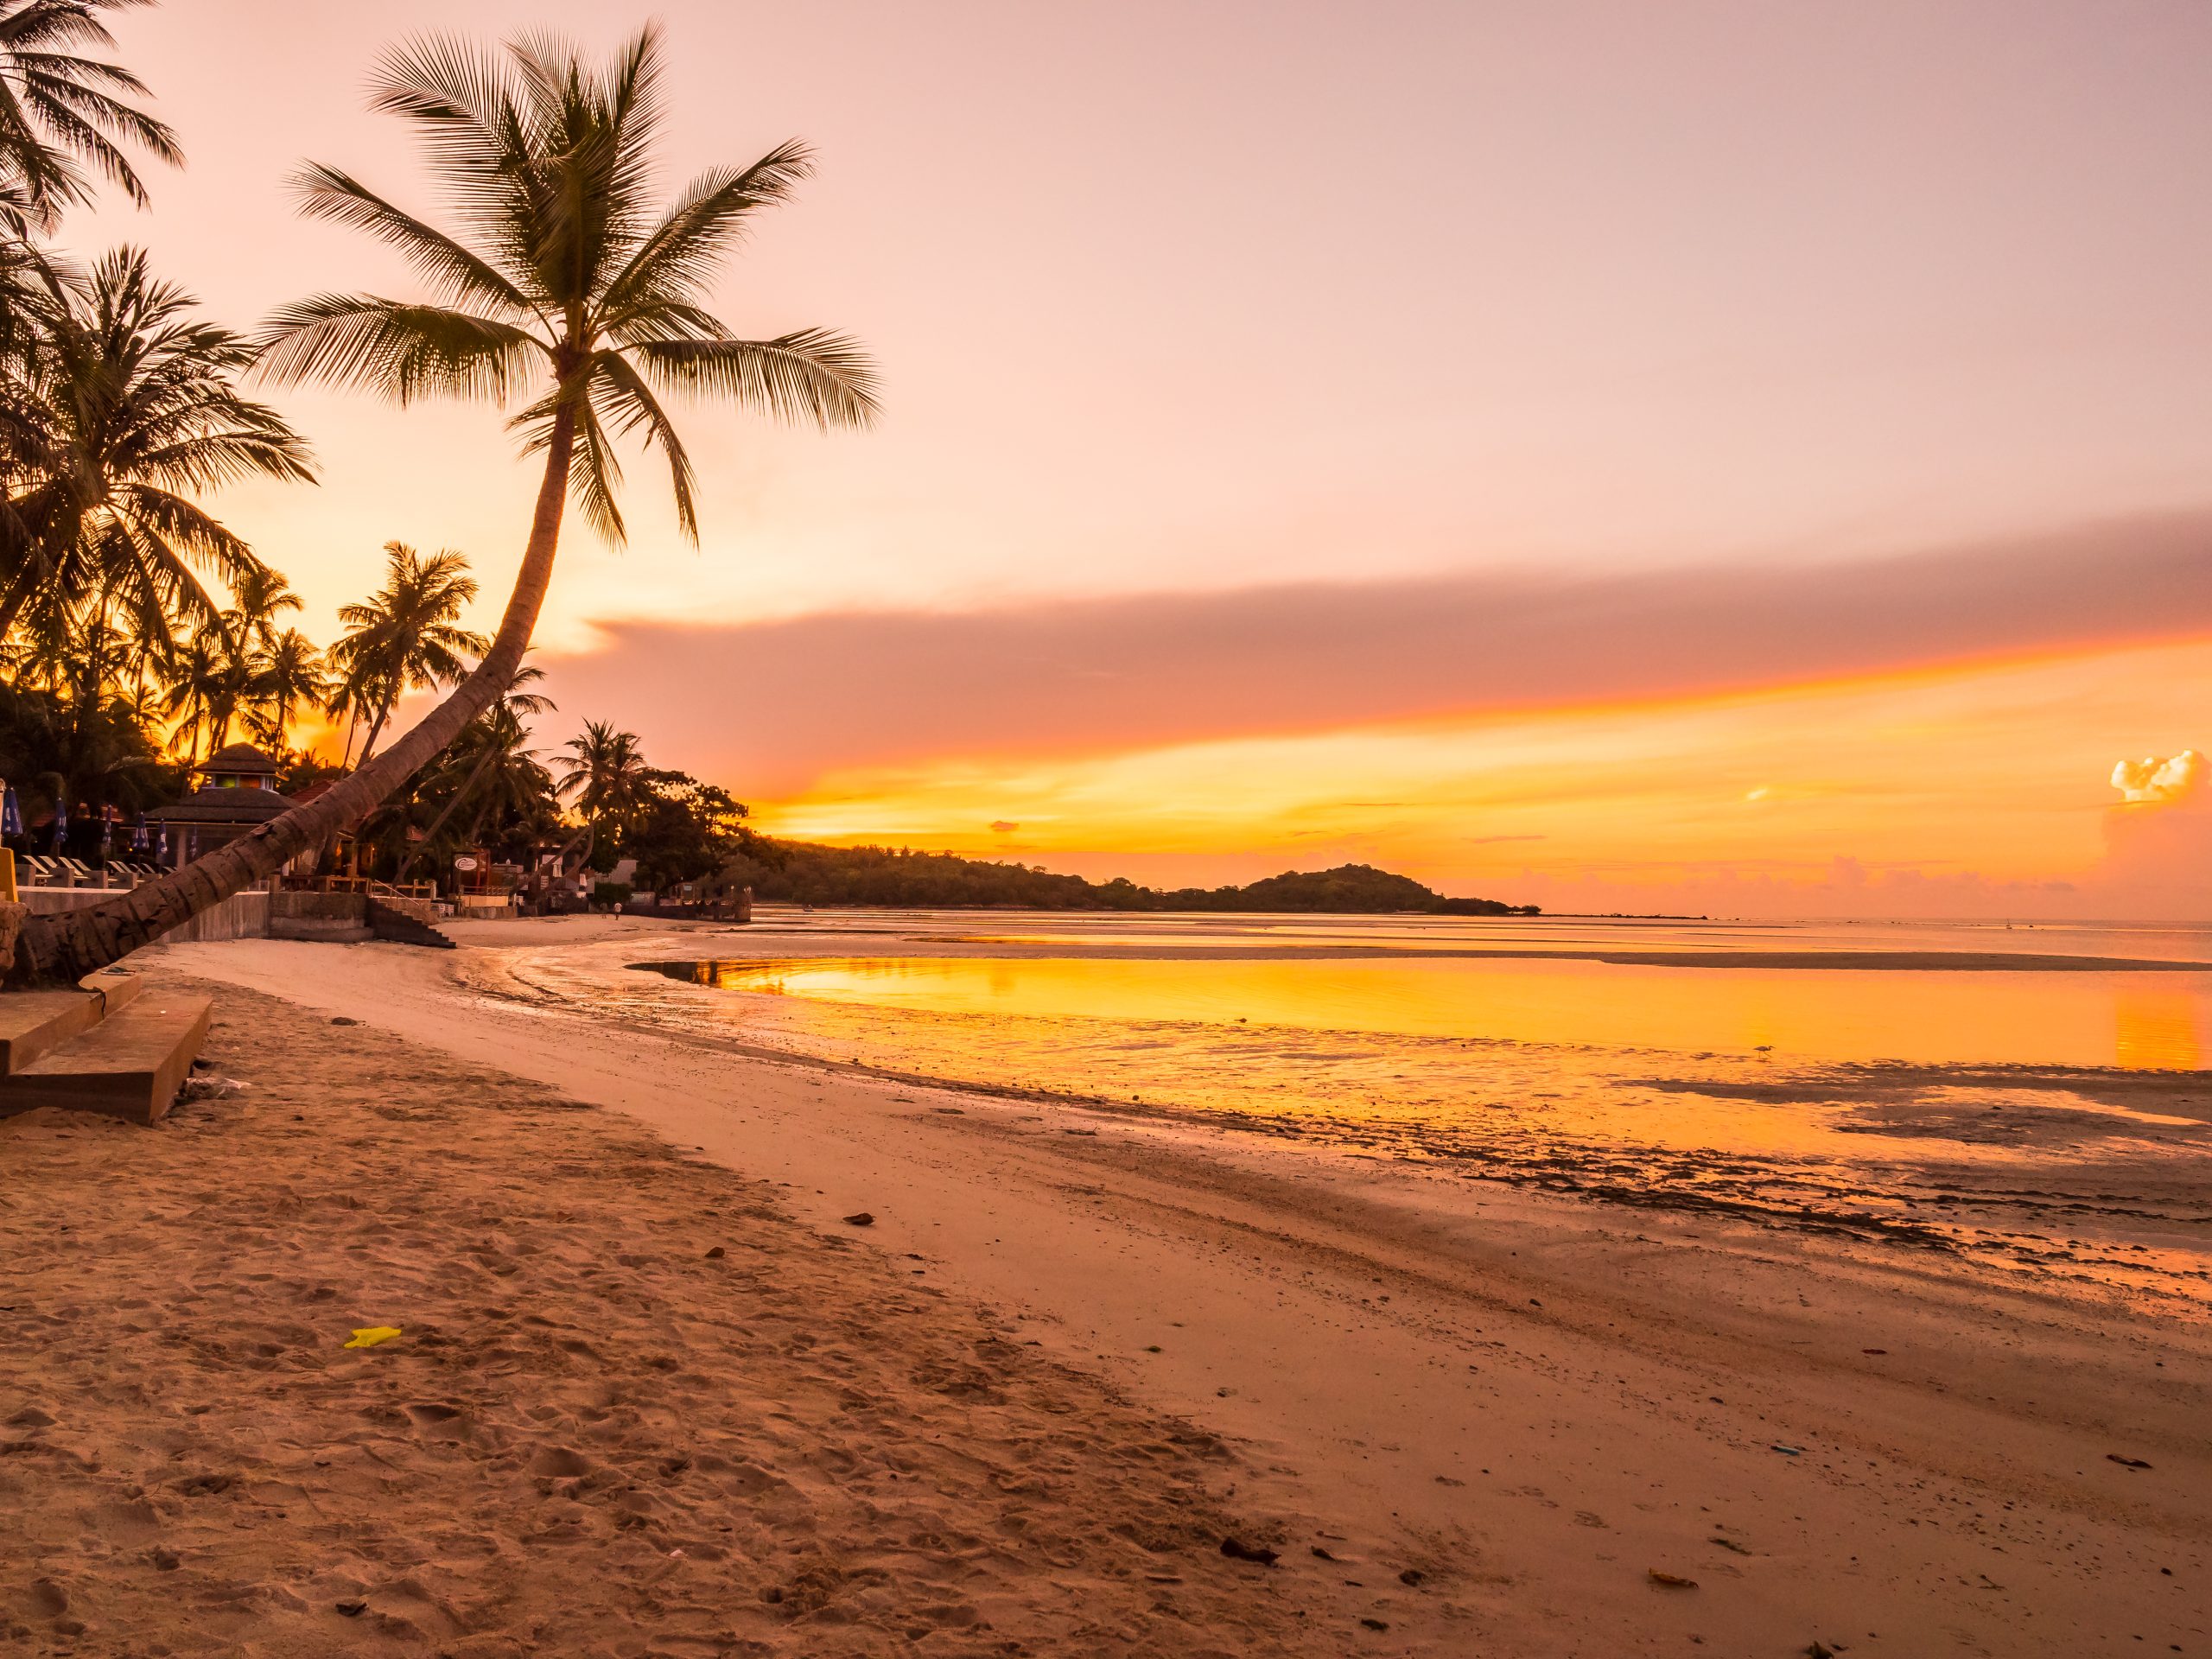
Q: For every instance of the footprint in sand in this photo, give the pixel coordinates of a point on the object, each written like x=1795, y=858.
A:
x=439, y=1420
x=559, y=1463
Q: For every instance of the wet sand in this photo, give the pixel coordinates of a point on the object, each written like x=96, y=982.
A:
x=1533, y=1400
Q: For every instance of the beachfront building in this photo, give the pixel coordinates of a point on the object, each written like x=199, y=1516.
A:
x=237, y=790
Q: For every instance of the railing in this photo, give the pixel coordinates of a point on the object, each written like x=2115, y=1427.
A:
x=369, y=884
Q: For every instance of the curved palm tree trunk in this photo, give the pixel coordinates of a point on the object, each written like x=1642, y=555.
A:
x=66, y=947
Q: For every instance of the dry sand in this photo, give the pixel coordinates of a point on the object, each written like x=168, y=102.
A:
x=1532, y=1402
x=635, y=1407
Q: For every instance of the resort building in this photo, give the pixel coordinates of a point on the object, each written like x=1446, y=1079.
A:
x=237, y=790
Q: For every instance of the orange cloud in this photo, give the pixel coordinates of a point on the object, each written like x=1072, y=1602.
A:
x=774, y=706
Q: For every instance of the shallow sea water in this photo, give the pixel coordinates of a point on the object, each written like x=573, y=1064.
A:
x=2032, y=1095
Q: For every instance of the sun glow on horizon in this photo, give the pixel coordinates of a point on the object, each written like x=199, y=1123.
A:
x=1888, y=773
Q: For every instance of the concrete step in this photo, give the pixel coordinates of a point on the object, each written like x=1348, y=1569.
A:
x=33, y=1022
x=129, y=1065
x=396, y=926
x=320, y=930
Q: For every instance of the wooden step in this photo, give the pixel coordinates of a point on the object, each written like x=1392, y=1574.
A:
x=129, y=1065
x=117, y=991
x=33, y=1022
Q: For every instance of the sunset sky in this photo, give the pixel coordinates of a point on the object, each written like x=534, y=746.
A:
x=1728, y=457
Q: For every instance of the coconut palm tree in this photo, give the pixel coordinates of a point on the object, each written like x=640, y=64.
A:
x=504, y=781
x=148, y=649
x=259, y=595
x=207, y=682
x=59, y=112
x=288, y=676
x=608, y=775
x=132, y=408
x=406, y=637
x=563, y=285
x=487, y=766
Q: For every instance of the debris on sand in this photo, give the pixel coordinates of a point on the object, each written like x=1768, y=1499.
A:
x=859, y=1218
x=1237, y=1550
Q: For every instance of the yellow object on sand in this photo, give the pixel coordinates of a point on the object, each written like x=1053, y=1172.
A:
x=371, y=1334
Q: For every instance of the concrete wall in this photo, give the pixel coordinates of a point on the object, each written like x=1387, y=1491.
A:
x=318, y=906
x=241, y=916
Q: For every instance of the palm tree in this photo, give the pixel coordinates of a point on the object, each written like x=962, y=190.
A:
x=148, y=649
x=60, y=111
x=491, y=766
x=505, y=781
x=608, y=774
x=131, y=406
x=258, y=595
x=191, y=686
x=207, y=682
x=405, y=637
x=568, y=288
x=288, y=675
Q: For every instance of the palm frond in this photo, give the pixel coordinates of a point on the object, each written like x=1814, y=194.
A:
x=635, y=406
x=58, y=108
x=596, y=474
x=404, y=351
x=812, y=375
x=454, y=271
x=678, y=258
x=186, y=526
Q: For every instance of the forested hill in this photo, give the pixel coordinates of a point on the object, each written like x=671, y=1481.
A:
x=808, y=873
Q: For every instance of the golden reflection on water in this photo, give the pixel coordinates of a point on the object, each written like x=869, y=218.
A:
x=1727, y=1090
x=2159, y=1029
x=1931, y=1017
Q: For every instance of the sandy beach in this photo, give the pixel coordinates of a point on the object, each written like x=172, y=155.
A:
x=634, y=1406
x=1019, y=1412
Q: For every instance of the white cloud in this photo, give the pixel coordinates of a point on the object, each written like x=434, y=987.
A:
x=2153, y=780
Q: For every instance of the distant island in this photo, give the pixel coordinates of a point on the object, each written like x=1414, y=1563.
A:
x=808, y=873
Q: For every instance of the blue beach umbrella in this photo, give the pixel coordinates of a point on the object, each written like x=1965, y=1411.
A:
x=191, y=844
x=60, y=819
x=161, y=847
x=139, y=839
x=11, y=813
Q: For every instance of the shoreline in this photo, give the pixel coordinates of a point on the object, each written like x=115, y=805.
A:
x=1553, y=1395
x=1932, y=961
x=1918, y=1181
